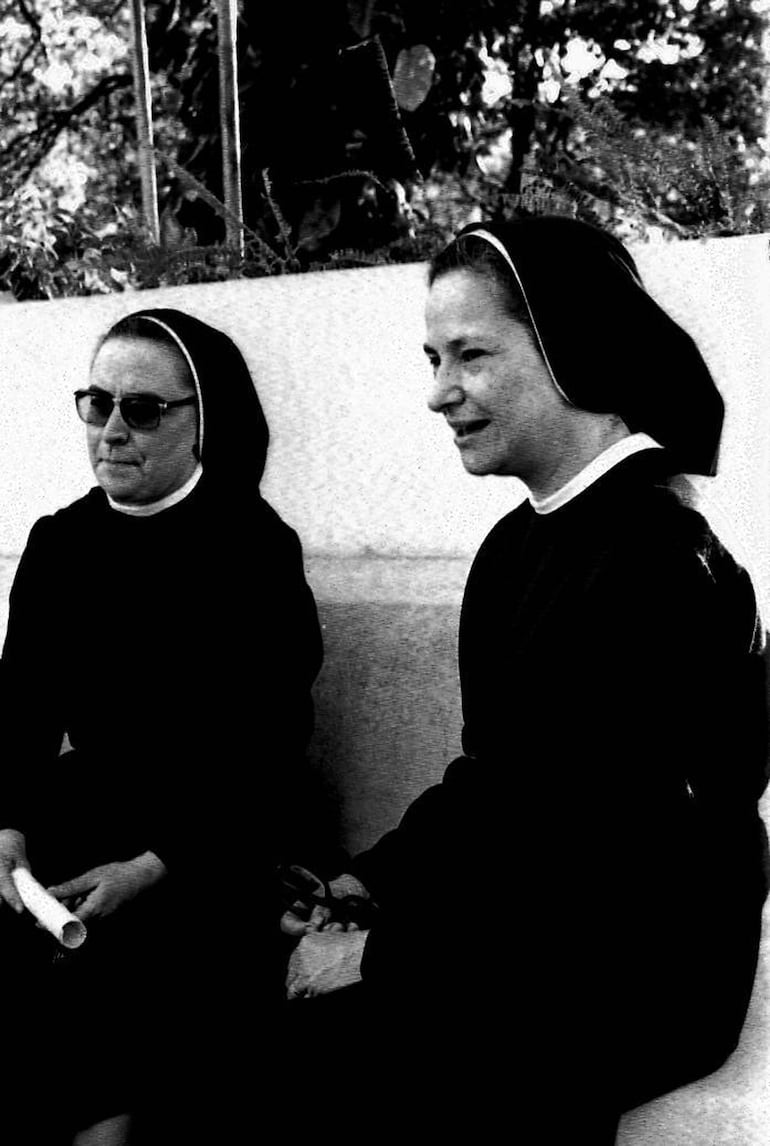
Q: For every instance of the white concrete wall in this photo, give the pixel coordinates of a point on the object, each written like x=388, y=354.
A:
x=358, y=465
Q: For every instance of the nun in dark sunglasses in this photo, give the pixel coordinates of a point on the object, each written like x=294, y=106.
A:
x=569, y=924
x=163, y=622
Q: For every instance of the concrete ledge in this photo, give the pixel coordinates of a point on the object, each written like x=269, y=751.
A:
x=385, y=580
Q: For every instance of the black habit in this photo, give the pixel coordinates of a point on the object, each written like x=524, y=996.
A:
x=569, y=922
x=177, y=651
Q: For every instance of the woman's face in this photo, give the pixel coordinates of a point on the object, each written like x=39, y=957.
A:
x=490, y=382
x=141, y=466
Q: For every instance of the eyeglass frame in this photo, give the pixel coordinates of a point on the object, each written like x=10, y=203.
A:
x=163, y=406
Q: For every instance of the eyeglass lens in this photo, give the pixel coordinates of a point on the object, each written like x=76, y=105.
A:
x=137, y=412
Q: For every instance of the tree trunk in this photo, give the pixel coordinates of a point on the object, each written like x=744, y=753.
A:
x=229, y=119
x=143, y=101
x=522, y=111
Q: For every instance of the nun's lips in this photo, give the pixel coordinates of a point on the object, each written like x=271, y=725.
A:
x=467, y=429
x=116, y=462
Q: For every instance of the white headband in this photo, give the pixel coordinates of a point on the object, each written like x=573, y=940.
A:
x=196, y=381
x=501, y=250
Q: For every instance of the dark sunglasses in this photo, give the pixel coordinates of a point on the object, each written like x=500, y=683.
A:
x=139, y=411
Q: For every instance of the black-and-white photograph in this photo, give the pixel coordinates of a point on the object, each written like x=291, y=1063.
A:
x=384, y=572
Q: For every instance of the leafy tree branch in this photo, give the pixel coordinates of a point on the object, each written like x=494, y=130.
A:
x=21, y=156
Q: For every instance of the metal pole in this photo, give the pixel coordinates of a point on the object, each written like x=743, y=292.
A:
x=229, y=118
x=143, y=100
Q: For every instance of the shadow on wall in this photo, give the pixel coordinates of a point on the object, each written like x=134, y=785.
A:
x=388, y=714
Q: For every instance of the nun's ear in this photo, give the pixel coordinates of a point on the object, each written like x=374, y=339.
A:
x=196, y=452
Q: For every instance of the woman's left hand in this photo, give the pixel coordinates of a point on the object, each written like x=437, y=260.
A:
x=104, y=889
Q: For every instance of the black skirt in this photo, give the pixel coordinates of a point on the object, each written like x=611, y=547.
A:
x=167, y=1007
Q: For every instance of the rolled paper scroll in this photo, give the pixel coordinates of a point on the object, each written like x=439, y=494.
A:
x=47, y=910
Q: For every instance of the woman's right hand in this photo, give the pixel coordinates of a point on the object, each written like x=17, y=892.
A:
x=13, y=854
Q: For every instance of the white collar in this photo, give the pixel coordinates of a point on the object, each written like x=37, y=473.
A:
x=153, y=507
x=604, y=461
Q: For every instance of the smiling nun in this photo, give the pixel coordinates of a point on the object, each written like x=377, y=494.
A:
x=569, y=922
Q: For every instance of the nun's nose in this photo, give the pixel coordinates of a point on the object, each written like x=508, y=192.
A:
x=445, y=390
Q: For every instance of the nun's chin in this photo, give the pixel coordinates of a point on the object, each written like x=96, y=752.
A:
x=477, y=458
x=121, y=480
x=479, y=465
x=472, y=453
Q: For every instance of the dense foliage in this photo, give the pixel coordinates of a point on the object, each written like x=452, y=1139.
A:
x=371, y=129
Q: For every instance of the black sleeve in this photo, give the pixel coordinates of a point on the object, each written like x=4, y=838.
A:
x=387, y=867
x=648, y=705
x=246, y=778
x=695, y=690
x=30, y=678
